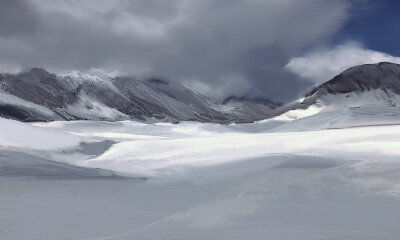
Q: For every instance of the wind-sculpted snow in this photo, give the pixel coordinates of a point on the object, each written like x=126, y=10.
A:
x=141, y=157
x=134, y=180
x=24, y=136
x=163, y=148
x=19, y=164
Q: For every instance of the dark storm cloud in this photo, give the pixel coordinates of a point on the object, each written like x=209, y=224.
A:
x=221, y=46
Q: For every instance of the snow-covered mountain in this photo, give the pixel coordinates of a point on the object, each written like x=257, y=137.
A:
x=362, y=95
x=37, y=95
x=369, y=83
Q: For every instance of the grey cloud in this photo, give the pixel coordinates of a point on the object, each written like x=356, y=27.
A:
x=16, y=18
x=184, y=40
x=158, y=10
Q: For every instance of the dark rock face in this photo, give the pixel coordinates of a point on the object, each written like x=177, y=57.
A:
x=38, y=86
x=19, y=113
x=37, y=95
x=384, y=76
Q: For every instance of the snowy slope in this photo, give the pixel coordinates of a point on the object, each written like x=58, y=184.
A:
x=203, y=181
x=157, y=157
x=162, y=149
x=27, y=137
x=360, y=96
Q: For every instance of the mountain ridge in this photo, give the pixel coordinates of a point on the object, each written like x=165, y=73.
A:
x=383, y=75
x=38, y=95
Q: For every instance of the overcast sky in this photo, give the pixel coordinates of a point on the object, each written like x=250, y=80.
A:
x=271, y=48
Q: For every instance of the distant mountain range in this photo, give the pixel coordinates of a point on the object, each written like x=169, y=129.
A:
x=37, y=95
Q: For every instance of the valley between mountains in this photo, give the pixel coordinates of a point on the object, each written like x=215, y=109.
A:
x=85, y=156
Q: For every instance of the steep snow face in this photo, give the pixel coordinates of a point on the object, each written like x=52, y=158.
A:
x=96, y=96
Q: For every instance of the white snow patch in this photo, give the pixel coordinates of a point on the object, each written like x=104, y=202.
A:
x=298, y=113
x=156, y=157
x=23, y=135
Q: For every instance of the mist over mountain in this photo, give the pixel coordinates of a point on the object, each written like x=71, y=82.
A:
x=38, y=95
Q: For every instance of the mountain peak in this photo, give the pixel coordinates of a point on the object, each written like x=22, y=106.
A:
x=362, y=78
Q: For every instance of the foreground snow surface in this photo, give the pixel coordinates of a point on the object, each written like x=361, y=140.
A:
x=267, y=180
